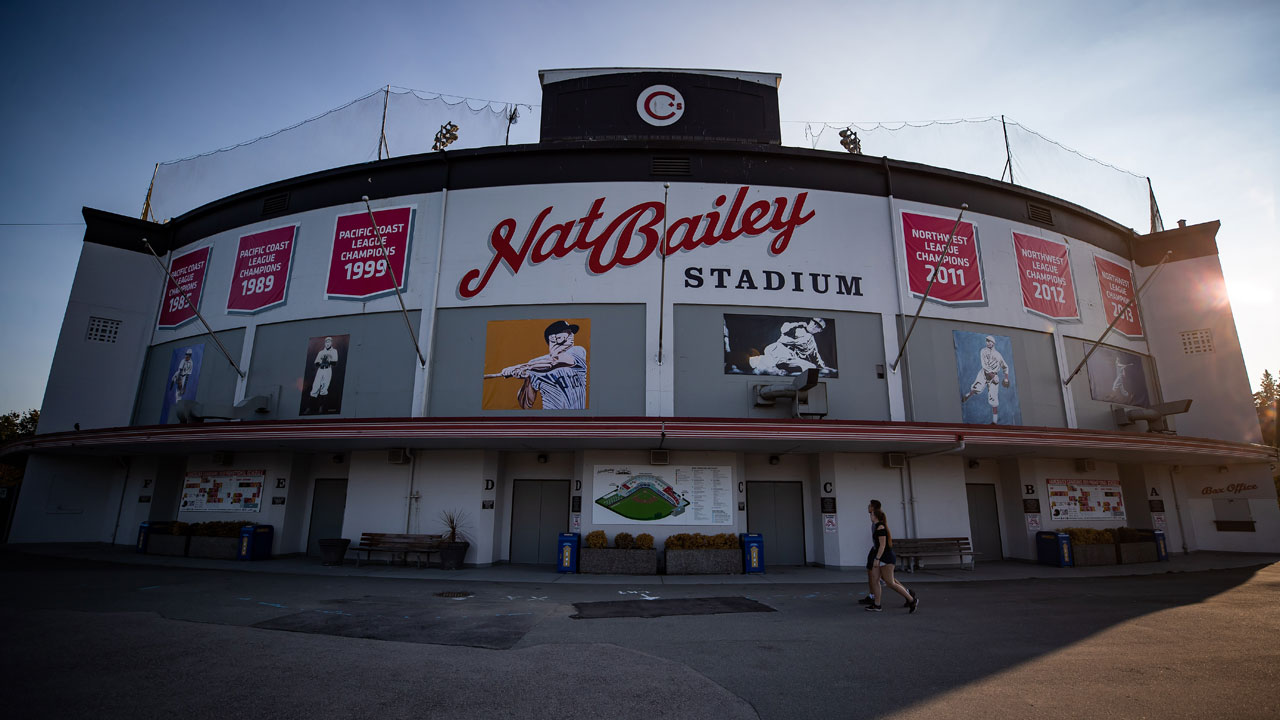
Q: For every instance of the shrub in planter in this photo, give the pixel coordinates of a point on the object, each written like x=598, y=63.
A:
x=698, y=554
x=171, y=540
x=623, y=559
x=644, y=541
x=624, y=541
x=597, y=539
x=454, y=546
x=1135, y=546
x=1091, y=546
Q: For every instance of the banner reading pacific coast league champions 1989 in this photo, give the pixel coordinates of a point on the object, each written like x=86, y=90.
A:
x=958, y=273
x=260, y=279
x=358, y=267
x=188, y=272
x=1044, y=271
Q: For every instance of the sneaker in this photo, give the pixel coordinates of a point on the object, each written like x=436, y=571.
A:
x=915, y=603
x=872, y=608
x=868, y=600
x=913, y=597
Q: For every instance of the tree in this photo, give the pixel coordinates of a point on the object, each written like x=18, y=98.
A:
x=13, y=426
x=1264, y=402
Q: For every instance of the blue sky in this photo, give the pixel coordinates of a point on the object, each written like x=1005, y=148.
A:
x=1185, y=93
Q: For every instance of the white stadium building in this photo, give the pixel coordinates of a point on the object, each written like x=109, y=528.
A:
x=657, y=287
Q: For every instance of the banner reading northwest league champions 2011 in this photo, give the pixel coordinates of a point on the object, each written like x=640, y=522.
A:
x=956, y=274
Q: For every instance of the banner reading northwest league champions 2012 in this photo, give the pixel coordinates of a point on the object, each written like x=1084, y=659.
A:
x=956, y=274
x=1044, y=271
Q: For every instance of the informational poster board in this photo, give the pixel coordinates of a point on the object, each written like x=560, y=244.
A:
x=662, y=495
x=1044, y=271
x=984, y=373
x=779, y=345
x=361, y=265
x=537, y=364
x=1116, y=282
x=1117, y=376
x=1085, y=500
x=183, y=378
x=223, y=491
x=186, y=280
x=958, y=272
x=260, y=279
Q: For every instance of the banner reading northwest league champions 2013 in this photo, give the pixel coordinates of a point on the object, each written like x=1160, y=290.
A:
x=360, y=267
x=956, y=275
x=188, y=271
x=261, y=276
x=1044, y=271
x=1116, y=282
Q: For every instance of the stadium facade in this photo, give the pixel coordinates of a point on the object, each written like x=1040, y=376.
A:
x=655, y=290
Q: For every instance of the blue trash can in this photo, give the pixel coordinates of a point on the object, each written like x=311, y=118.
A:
x=144, y=537
x=752, y=552
x=255, y=542
x=1054, y=548
x=567, y=555
x=1162, y=550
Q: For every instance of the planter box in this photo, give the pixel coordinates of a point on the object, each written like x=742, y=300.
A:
x=612, y=561
x=215, y=548
x=173, y=545
x=1090, y=555
x=1136, y=552
x=704, y=562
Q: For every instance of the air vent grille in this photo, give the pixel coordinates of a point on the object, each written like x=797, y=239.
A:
x=1039, y=214
x=670, y=166
x=275, y=204
x=1195, y=342
x=104, y=330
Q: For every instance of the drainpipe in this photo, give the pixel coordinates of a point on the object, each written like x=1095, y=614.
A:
x=1177, y=512
x=911, y=486
x=412, y=497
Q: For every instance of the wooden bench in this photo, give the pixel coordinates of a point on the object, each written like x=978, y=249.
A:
x=397, y=544
x=913, y=549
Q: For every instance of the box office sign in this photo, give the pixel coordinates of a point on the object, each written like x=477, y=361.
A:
x=1116, y=283
x=363, y=262
x=260, y=279
x=1044, y=271
x=186, y=280
x=956, y=274
x=223, y=491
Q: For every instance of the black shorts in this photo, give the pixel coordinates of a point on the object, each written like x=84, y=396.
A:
x=887, y=558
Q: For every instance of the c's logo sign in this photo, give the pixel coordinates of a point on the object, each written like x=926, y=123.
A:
x=660, y=105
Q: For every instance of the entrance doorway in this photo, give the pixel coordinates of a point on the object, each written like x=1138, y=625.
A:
x=328, y=506
x=984, y=520
x=167, y=493
x=539, y=513
x=776, y=511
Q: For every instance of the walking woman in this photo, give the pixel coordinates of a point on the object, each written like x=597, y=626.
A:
x=880, y=563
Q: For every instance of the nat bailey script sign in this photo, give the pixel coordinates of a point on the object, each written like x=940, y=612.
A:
x=634, y=234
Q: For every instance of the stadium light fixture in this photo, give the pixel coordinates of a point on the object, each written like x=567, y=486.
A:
x=849, y=139
x=446, y=136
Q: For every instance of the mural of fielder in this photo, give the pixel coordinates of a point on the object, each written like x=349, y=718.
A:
x=179, y=380
x=324, y=362
x=560, y=376
x=992, y=364
x=795, y=351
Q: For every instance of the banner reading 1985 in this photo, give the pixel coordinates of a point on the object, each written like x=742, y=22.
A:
x=358, y=269
x=261, y=276
x=1116, y=282
x=188, y=272
x=1044, y=271
x=959, y=277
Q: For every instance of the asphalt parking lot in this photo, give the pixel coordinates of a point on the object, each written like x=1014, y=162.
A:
x=92, y=638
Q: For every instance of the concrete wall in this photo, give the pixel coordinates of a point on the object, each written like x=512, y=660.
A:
x=1255, y=499
x=70, y=499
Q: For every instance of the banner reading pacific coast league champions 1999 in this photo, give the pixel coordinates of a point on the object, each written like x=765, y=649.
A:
x=957, y=272
x=1044, y=271
x=188, y=272
x=358, y=267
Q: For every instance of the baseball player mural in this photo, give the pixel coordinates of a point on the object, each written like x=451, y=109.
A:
x=184, y=376
x=553, y=380
x=791, y=345
x=1117, y=376
x=323, y=378
x=983, y=358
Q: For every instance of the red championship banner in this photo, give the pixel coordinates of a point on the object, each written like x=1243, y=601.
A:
x=188, y=270
x=959, y=279
x=1116, y=282
x=261, y=276
x=1044, y=271
x=358, y=269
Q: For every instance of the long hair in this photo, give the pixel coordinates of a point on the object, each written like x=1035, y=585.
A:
x=880, y=518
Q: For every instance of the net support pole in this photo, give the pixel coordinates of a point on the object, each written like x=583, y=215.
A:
x=395, y=282
x=1008, y=153
x=146, y=205
x=1168, y=254
x=382, y=134
x=208, y=330
x=928, y=288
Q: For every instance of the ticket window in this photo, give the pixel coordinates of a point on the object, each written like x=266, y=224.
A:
x=1232, y=515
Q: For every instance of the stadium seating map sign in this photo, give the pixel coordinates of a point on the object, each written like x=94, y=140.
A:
x=223, y=491
x=662, y=495
x=1085, y=500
